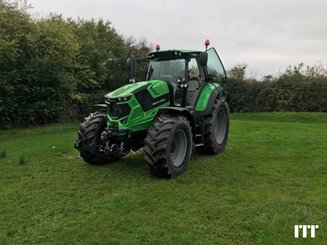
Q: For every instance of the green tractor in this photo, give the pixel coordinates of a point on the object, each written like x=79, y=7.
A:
x=180, y=103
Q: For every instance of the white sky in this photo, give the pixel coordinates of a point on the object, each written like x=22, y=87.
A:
x=266, y=35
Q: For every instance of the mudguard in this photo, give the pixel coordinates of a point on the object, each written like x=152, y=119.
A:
x=100, y=105
x=207, y=98
x=178, y=111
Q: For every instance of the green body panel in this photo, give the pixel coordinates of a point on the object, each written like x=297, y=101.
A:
x=138, y=119
x=158, y=88
x=125, y=90
x=205, y=95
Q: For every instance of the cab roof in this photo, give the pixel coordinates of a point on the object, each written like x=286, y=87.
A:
x=173, y=54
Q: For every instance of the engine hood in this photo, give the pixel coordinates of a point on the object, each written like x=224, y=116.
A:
x=125, y=90
x=155, y=87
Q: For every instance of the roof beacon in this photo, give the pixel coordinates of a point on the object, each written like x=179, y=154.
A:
x=207, y=43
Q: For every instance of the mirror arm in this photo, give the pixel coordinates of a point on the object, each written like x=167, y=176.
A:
x=206, y=74
x=133, y=68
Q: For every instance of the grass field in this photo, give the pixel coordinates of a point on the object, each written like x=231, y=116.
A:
x=272, y=176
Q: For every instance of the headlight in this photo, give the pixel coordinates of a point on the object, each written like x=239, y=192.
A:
x=124, y=99
x=116, y=110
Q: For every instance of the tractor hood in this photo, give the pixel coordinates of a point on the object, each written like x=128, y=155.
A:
x=133, y=106
x=125, y=90
x=155, y=87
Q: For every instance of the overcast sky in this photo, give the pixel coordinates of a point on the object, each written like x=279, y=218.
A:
x=266, y=35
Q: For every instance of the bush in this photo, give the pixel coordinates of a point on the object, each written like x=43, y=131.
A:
x=53, y=68
x=299, y=88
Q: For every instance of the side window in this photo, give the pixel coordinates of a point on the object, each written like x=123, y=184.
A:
x=215, y=68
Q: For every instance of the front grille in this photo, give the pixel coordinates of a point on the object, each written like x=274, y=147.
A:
x=116, y=111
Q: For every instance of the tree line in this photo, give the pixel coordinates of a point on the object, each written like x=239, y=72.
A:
x=298, y=88
x=54, y=69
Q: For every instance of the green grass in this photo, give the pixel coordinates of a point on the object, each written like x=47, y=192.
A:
x=272, y=176
x=2, y=154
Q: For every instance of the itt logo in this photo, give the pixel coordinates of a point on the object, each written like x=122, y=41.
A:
x=312, y=229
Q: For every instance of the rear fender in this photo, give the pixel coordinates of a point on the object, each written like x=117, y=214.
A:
x=209, y=93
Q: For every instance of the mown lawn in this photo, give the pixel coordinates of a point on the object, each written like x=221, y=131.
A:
x=272, y=176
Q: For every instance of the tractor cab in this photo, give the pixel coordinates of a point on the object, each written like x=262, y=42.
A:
x=185, y=71
x=181, y=70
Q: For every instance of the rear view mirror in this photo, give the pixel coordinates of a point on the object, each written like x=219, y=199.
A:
x=131, y=64
x=203, y=59
x=128, y=62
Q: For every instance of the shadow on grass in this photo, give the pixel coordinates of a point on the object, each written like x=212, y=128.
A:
x=132, y=166
x=3, y=154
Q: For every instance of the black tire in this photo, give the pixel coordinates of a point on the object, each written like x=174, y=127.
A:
x=216, y=129
x=168, y=146
x=89, y=138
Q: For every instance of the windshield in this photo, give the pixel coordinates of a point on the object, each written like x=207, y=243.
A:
x=167, y=70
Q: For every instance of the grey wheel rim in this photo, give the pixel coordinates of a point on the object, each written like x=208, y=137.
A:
x=220, y=130
x=178, y=148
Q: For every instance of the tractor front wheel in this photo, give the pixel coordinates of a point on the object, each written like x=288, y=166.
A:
x=89, y=139
x=168, y=146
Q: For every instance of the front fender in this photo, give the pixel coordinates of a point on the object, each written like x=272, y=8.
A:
x=178, y=111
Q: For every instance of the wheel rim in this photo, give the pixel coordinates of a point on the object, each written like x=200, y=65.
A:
x=220, y=130
x=178, y=148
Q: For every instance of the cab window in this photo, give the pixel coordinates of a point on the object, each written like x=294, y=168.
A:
x=167, y=70
x=193, y=69
x=215, y=68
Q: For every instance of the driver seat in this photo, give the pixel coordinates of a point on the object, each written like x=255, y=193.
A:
x=193, y=86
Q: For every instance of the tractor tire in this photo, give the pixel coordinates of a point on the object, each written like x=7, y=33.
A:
x=216, y=129
x=168, y=146
x=89, y=138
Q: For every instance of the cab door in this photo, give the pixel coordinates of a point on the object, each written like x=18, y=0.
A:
x=215, y=85
x=216, y=70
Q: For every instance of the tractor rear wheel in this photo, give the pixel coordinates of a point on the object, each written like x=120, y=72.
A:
x=89, y=139
x=216, y=129
x=168, y=146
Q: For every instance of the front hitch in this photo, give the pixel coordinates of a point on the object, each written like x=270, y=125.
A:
x=111, y=144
